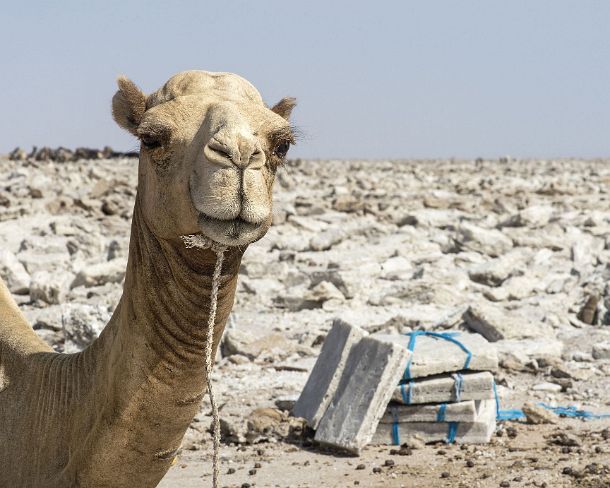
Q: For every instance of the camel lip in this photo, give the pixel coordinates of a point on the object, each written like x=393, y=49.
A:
x=230, y=232
x=237, y=222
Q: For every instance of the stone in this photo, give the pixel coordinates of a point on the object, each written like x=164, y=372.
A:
x=233, y=430
x=495, y=271
x=47, y=317
x=465, y=411
x=441, y=389
x=532, y=217
x=274, y=346
x=99, y=274
x=286, y=403
x=536, y=414
x=38, y=186
x=430, y=217
x=413, y=442
x=51, y=337
x=601, y=350
x=324, y=291
x=527, y=349
x=477, y=432
x=565, y=439
x=264, y=424
x=589, y=312
x=347, y=203
x=13, y=273
x=496, y=294
x=372, y=369
x=496, y=324
x=433, y=355
x=18, y=154
x=327, y=239
x=326, y=373
x=49, y=287
x=486, y=241
x=297, y=302
x=548, y=387
x=308, y=223
x=35, y=260
x=519, y=287
x=396, y=268
x=584, y=249
x=82, y=324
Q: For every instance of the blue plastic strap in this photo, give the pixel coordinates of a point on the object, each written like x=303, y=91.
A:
x=515, y=414
x=447, y=336
x=395, y=431
x=458, y=386
x=407, y=394
x=569, y=411
x=510, y=414
x=440, y=415
x=572, y=411
x=452, y=432
x=403, y=393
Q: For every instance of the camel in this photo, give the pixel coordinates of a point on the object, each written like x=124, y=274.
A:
x=114, y=414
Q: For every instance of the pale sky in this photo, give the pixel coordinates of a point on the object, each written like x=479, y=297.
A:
x=384, y=79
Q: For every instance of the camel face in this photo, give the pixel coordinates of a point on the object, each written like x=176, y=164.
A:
x=210, y=149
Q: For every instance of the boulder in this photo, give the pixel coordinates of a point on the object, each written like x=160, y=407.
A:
x=532, y=217
x=601, y=350
x=272, y=345
x=327, y=239
x=486, y=241
x=495, y=271
x=13, y=273
x=49, y=287
x=99, y=274
x=495, y=323
x=82, y=324
x=536, y=414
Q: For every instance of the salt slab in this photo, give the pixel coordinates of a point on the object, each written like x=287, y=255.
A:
x=478, y=432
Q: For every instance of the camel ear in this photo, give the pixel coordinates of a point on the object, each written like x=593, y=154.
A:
x=128, y=105
x=284, y=107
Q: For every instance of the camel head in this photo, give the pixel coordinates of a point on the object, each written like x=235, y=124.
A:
x=209, y=151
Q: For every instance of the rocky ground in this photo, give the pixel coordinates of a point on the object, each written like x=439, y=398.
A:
x=519, y=250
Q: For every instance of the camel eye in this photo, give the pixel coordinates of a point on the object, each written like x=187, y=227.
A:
x=150, y=141
x=281, y=149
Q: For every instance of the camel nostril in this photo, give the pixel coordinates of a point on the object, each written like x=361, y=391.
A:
x=222, y=152
x=218, y=152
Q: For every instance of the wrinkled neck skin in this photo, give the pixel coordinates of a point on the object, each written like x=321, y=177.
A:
x=149, y=362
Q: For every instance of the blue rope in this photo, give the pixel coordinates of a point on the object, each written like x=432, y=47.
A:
x=458, y=386
x=447, y=336
x=440, y=415
x=453, y=427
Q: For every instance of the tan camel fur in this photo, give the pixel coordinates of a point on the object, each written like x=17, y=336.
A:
x=114, y=414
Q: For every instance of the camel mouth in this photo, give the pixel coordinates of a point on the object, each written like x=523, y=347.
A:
x=230, y=232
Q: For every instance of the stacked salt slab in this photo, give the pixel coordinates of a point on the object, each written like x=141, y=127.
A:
x=347, y=396
x=446, y=393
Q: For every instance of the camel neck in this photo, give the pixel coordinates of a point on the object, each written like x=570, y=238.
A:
x=166, y=294
x=152, y=353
